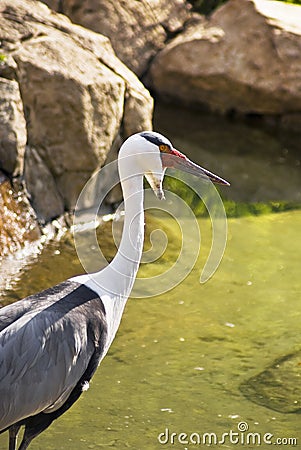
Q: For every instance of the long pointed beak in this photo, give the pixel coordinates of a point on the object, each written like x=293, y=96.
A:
x=180, y=161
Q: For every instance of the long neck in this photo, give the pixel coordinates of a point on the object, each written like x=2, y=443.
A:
x=126, y=262
x=114, y=283
x=117, y=279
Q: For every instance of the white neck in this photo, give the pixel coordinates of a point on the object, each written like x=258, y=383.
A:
x=126, y=262
x=114, y=283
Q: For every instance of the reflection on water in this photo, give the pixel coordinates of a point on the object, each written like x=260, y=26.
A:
x=261, y=164
x=180, y=359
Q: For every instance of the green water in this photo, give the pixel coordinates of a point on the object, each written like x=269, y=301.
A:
x=179, y=359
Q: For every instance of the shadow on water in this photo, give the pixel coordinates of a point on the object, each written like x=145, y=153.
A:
x=278, y=386
x=201, y=358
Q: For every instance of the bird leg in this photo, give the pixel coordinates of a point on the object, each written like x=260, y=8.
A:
x=33, y=427
x=28, y=436
x=25, y=442
x=13, y=434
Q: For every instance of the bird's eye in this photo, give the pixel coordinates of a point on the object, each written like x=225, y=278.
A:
x=163, y=148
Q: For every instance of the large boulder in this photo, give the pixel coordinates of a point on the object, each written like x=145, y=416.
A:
x=76, y=95
x=137, y=30
x=246, y=57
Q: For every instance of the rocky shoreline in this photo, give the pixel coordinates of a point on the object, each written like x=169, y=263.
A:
x=75, y=79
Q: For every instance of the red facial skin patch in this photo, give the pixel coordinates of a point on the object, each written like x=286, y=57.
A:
x=177, y=153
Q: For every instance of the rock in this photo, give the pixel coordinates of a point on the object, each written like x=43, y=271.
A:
x=43, y=192
x=18, y=223
x=75, y=108
x=56, y=5
x=134, y=110
x=7, y=67
x=246, y=57
x=76, y=95
x=12, y=128
x=137, y=30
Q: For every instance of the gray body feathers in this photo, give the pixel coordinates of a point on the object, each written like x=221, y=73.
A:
x=47, y=342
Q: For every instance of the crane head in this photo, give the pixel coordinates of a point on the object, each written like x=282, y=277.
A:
x=155, y=153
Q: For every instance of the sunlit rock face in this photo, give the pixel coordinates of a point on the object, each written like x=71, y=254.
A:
x=13, y=134
x=246, y=57
x=67, y=98
x=137, y=29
